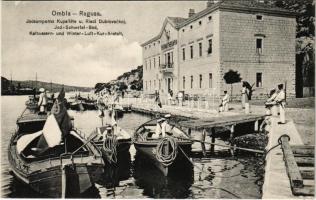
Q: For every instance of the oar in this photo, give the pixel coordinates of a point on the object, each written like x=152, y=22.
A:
x=63, y=181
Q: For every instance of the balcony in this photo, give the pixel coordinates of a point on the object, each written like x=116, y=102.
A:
x=166, y=68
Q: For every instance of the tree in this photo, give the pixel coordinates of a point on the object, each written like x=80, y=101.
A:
x=137, y=85
x=232, y=77
x=121, y=86
x=305, y=36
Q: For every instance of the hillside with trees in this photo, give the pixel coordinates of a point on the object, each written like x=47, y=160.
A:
x=8, y=87
x=132, y=80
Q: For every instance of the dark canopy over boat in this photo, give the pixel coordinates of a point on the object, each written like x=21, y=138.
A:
x=164, y=152
x=30, y=121
x=58, y=159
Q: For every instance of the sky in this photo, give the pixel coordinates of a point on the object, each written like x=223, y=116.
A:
x=81, y=60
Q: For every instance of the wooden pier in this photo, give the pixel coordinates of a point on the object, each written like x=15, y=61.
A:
x=206, y=125
x=299, y=162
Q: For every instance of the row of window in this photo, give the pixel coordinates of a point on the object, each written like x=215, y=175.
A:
x=191, y=81
x=168, y=57
x=258, y=17
x=200, y=50
x=210, y=81
x=199, y=23
x=154, y=44
x=151, y=62
x=149, y=84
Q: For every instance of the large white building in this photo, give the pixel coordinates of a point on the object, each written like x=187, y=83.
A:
x=192, y=54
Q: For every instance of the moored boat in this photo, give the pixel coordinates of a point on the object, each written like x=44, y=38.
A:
x=164, y=152
x=113, y=141
x=76, y=105
x=57, y=160
x=89, y=105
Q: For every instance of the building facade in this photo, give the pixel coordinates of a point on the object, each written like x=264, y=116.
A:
x=193, y=54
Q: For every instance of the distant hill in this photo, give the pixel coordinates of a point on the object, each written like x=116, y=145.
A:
x=54, y=87
x=132, y=80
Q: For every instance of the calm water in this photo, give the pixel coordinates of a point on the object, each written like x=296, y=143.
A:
x=222, y=176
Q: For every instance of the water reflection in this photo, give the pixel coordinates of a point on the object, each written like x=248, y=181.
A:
x=156, y=185
x=113, y=174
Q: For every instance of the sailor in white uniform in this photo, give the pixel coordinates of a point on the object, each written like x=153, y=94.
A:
x=158, y=130
x=42, y=102
x=280, y=100
x=224, y=105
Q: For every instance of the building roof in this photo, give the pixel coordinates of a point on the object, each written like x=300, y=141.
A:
x=231, y=5
x=174, y=21
x=177, y=20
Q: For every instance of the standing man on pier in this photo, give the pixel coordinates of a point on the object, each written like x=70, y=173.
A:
x=280, y=100
x=224, y=105
x=42, y=102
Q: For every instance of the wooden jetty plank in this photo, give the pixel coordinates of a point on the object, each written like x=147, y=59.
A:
x=303, y=150
x=309, y=182
x=302, y=147
x=305, y=191
x=305, y=161
x=307, y=174
x=292, y=169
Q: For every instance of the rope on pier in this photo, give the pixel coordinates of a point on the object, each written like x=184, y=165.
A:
x=109, y=146
x=167, y=150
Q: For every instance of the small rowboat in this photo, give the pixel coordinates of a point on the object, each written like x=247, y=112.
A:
x=76, y=105
x=113, y=145
x=56, y=171
x=165, y=153
x=57, y=160
x=88, y=105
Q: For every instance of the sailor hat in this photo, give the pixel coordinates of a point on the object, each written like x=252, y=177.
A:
x=42, y=90
x=167, y=116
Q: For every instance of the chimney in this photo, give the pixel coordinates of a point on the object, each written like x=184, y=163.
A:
x=191, y=12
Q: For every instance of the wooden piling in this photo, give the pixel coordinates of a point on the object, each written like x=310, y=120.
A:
x=212, y=135
x=295, y=177
x=202, y=142
x=231, y=137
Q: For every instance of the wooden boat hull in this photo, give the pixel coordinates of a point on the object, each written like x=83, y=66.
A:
x=31, y=127
x=89, y=106
x=122, y=147
x=30, y=122
x=49, y=182
x=148, y=149
x=76, y=106
x=53, y=176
